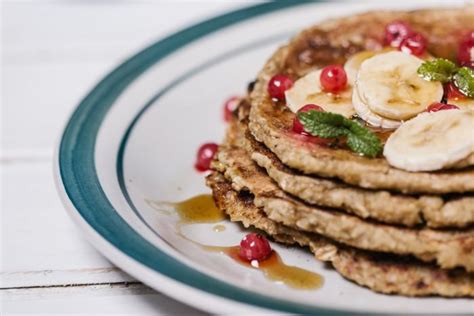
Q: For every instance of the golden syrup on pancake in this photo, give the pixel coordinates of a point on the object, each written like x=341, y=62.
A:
x=382, y=133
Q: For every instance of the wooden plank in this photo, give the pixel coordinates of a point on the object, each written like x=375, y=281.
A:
x=51, y=64
x=98, y=299
x=38, y=99
x=40, y=243
x=18, y=279
x=83, y=32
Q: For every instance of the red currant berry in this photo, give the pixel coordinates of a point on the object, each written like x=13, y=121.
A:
x=452, y=92
x=254, y=247
x=205, y=155
x=297, y=126
x=333, y=78
x=278, y=85
x=466, y=50
x=229, y=107
x=396, y=32
x=414, y=44
x=435, y=107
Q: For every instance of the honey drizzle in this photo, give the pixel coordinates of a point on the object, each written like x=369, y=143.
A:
x=198, y=209
x=202, y=209
x=275, y=269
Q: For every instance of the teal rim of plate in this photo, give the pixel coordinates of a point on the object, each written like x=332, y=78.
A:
x=82, y=186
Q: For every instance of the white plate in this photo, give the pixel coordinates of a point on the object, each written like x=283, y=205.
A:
x=134, y=139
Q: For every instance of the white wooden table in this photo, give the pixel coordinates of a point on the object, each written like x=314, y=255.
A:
x=53, y=52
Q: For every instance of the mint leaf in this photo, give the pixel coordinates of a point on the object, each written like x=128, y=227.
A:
x=323, y=124
x=439, y=69
x=464, y=81
x=331, y=125
x=363, y=141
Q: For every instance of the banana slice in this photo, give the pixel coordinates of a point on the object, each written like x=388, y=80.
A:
x=391, y=87
x=370, y=117
x=352, y=65
x=432, y=141
x=308, y=90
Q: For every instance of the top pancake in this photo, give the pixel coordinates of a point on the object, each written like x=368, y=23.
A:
x=333, y=42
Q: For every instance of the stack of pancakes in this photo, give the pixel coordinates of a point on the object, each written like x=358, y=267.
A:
x=393, y=231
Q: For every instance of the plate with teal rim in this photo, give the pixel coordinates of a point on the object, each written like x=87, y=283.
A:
x=128, y=150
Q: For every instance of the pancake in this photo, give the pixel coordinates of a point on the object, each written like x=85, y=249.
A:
x=381, y=273
x=381, y=205
x=332, y=42
x=384, y=206
x=448, y=248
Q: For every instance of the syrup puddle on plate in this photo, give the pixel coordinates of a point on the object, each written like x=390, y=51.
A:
x=275, y=269
x=218, y=228
x=202, y=209
x=198, y=209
